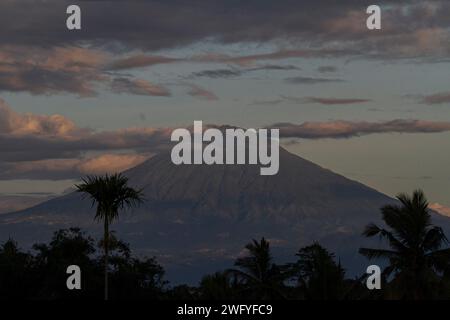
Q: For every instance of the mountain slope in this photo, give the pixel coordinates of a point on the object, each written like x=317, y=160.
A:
x=197, y=218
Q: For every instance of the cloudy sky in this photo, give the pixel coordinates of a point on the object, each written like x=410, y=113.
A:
x=371, y=105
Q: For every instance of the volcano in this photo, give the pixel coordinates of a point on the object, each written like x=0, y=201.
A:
x=197, y=218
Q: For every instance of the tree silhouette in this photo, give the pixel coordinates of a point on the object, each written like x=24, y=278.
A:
x=132, y=277
x=43, y=275
x=67, y=247
x=218, y=286
x=319, y=276
x=15, y=279
x=415, y=255
x=110, y=193
x=258, y=272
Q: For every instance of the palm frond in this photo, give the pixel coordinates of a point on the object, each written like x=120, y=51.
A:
x=434, y=239
x=378, y=253
x=110, y=193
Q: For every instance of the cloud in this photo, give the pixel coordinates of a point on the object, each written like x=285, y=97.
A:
x=51, y=71
x=138, y=87
x=70, y=168
x=53, y=147
x=250, y=60
x=324, y=101
x=275, y=67
x=39, y=56
x=335, y=101
x=438, y=98
x=309, y=80
x=75, y=70
x=139, y=61
x=30, y=137
x=82, y=71
x=152, y=25
x=218, y=73
x=247, y=61
x=327, y=69
x=351, y=22
x=29, y=124
x=108, y=163
x=441, y=209
x=201, y=93
x=239, y=64
x=272, y=102
x=348, y=129
x=235, y=72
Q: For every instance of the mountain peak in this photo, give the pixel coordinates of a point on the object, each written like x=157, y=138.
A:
x=202, y=214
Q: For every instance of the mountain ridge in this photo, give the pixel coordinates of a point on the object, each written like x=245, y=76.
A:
x=197, y=218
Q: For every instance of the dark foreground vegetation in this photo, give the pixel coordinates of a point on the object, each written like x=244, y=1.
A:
x=417, y=262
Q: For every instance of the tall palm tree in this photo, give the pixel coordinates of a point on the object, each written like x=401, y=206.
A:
x=110, y=193
x=415, y=255
x=258, y=271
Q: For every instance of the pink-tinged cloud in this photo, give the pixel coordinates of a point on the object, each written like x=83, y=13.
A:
x=30, y=137
x=51, y=71
x=71, y=168
x=430, y=40
x=335, y=101
x=110, y=163
x=72, y=70
x=352, y=23
x=53, y=147
x=438, y=98
x=441, y=209
x=201, y=93
x=138, y=87
x=311, y=80
x=348, y=129
x=140, y=61
x=30, y=124
x=299, y=100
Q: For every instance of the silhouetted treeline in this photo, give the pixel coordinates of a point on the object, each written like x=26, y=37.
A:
x=42, y=274
x=416, y=260
x=314, y=276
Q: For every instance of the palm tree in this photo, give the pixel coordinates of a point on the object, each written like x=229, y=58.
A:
x=258, y=271
x=415, y=255
x=110, y=193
